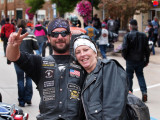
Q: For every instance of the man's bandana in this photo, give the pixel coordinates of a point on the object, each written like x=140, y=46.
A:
x=58, y=23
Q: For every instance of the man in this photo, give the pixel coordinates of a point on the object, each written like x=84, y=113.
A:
x=155, y=26
x=96, y=22
x=135, y=50
x=92, y=32
x=6, y=30
x=58, y=78
x=113, y=27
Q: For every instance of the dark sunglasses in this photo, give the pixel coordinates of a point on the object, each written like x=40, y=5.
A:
x=63, y=34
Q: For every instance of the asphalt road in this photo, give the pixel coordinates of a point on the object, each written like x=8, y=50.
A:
x=8, y=84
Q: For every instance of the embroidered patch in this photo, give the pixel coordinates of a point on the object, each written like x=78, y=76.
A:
x=74, y=73
x=48, y=83
x=74, y=94
x=48, y=97
x=48, y=73
x=74, y=91
x=48, y=63
x=75, y=66
x=49, y=94
x=72, y=86
x=49, y=91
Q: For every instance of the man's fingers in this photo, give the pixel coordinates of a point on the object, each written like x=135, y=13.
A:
x=24, y=35
x=19, y=32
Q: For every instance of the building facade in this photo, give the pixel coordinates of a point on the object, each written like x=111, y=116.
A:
x=17, y=8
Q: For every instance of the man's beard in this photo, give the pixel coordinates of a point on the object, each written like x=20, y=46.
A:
x=63, y=50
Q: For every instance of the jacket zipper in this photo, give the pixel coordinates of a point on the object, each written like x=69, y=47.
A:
x=83, y=99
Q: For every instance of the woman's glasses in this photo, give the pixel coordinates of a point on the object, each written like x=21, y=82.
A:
x=56, y=34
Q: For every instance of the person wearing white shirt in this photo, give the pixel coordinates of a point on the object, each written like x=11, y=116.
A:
x=103, y=41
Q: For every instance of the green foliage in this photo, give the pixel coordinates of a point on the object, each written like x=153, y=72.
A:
x=35, y=5
x=64, y=6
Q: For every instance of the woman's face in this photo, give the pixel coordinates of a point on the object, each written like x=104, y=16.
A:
x=86, y=57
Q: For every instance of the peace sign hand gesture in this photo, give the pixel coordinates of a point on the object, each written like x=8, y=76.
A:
x=16, y=38
x=14, y=41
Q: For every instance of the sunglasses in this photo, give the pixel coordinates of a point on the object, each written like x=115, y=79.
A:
x=63, y=34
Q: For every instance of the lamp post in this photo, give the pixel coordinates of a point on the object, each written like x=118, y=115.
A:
x=92, y=8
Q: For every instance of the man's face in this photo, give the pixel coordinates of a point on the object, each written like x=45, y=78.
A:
x=60, y=40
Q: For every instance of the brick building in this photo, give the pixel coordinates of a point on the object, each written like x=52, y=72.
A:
x=17, y=8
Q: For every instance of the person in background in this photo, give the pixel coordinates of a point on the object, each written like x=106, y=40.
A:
x=113, y=27
x=25, y=90
x=135, y=50
x=40, y=32
x=104, y=93
x=58, y=77
x=96, y=22
x=155, y=26
x=151, y=36
x=6, y=30
x=3, y=21
x=104, y=22
x=75, y=30
x=46, y=43
x=91, y=31
x=103, y=41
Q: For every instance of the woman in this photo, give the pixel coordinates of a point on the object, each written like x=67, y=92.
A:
x=41, y=35
x=25, y=90
x=104, y=94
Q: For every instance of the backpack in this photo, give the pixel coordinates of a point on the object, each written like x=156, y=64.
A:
x=136, y=109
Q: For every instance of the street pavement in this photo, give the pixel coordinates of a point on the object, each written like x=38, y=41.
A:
x=8, y=84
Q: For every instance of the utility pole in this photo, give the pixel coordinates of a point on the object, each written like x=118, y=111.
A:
x=5, y=8
x=92, y=8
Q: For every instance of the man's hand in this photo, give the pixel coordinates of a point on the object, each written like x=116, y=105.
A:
x=16, y=38
x=14, y=41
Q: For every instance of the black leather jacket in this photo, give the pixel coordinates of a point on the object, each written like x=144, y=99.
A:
x=104, y=93
x=135, y=47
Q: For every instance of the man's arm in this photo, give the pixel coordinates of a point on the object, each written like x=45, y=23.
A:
x=147, y=50
x=124, y=47
x=14, y=42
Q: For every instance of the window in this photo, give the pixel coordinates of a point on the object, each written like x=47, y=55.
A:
x=9, y=1
x=2, y=1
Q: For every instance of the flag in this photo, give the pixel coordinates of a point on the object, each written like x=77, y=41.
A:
x=74, y=72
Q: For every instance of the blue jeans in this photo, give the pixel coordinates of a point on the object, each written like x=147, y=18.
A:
x=136, y=67
x=153, y=50
x=25, y=90
x=39, y=51
x=103, y=50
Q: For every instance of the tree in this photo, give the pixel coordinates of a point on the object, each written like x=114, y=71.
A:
x=125, y=9
x=64, y=6
x=35, y=5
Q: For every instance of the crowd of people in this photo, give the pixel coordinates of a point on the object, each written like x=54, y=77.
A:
x=73, y=82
